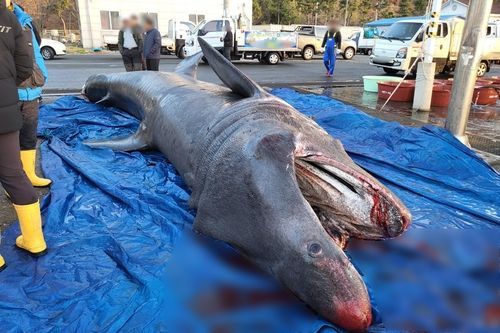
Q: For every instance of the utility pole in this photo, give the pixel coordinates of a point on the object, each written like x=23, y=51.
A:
x=316, y=14
x=466, y=69
x=345, y=16
x=426, y=70
x=226, y=4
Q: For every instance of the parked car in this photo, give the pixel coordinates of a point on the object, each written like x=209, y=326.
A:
x=52, y=48
x=311, y=38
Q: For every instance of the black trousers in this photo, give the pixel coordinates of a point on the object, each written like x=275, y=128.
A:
x=227, y=52
x=27, y=135
x=12, y=176
x=153, y=64
x=132, y=59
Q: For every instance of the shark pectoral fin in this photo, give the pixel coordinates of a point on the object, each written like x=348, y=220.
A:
x=189, y=66
x=232, y=77
x=129, y=143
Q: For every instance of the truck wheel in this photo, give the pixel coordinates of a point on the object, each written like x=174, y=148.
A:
x=48, y=53
x=272, y=58
x=482, y=69
x=349, y=53
x=368, y=52
x=390, y=71
x=308, y=53
x=180, y=53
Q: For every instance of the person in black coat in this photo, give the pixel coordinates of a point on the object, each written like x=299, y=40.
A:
x=228, y=42
x=333, y=32
x=152, y=45
x=16, y=66
x=130, y=44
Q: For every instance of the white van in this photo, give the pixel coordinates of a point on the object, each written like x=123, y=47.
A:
x=397, y=49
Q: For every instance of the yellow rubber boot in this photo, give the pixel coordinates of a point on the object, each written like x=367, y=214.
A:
x=2, y=264
x=28, y=157
x=30, y=221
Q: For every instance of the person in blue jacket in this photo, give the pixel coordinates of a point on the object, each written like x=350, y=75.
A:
x=331, y=42
x=30, y=92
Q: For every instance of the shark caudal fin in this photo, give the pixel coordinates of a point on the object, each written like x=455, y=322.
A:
x=232, y=77
x=189, y=66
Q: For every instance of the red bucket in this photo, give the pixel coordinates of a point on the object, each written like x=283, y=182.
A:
x=484, y=82
x=441, y=95
x=446, y=82
x=484, y=96
x=404, y=93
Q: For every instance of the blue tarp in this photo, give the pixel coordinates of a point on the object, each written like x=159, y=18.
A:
x=122, y=257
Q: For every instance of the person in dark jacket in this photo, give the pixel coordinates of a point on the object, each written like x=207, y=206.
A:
x=152, y=45
x=331, y=42
x=130, y=45
x=228, y=42
x=16, y=66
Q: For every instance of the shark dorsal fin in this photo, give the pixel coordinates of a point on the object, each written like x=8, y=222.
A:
x=189, y=66
x=232, y=77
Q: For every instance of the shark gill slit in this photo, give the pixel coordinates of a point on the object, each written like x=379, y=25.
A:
x=313, y=186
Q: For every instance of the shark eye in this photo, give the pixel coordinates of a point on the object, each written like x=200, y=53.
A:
x=314, y=250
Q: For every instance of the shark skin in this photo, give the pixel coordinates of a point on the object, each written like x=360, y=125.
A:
x=264, y=178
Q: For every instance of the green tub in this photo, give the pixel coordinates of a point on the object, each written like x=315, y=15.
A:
x=370, y=82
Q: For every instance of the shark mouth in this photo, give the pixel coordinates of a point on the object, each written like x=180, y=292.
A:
x=349, y=202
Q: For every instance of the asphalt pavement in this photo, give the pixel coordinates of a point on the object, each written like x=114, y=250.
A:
x=71, y=71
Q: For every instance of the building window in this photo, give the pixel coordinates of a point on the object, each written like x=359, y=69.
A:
x=110, y=20
x=154, y=16
x=196, y=18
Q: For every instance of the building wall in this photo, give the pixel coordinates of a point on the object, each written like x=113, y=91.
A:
x=454, y=8
x=93, y=35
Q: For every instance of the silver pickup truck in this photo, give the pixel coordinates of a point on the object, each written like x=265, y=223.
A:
x=311, y=38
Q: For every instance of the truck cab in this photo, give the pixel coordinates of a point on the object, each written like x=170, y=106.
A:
x=397, y=49
x=491, y=53
x=211, y=31
x=401, y=45
x=365, y=40
x=174, y=41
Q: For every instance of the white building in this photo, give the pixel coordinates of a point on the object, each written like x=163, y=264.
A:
x=460, y=8
x=100, y=19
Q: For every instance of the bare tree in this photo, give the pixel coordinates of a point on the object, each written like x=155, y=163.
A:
x=60, y=8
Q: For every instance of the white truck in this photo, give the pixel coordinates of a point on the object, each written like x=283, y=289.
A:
x=268, y=47
x=173, y=42
x=365, y=40
x=397, y=49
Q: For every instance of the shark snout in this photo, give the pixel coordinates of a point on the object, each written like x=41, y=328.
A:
x=346, y=302
x=354, y=316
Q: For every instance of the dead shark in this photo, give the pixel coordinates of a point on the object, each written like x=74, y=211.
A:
x=264, y=178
